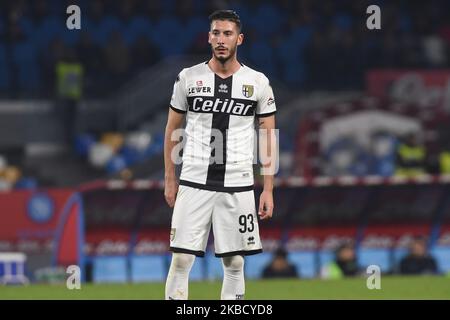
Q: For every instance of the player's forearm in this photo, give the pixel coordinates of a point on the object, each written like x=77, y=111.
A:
x=174, y=122
x=169, y=165
x=268, y=183
x=268, y=150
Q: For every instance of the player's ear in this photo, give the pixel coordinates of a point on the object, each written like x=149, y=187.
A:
x=209, y=37
x=240, y=39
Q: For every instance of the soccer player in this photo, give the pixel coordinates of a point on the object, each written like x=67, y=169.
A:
x=220, y=99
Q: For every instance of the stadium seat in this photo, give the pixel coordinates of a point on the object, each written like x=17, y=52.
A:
x=254, y=265
x=442, y=256
x=26, y=26
x=4, y=72
x=24, y=58
x=266, y=12
x=110, y=269
x=169, y=28
x=375, y=256
x=44, y=33
x=305, y=262
x=325, y=257
x=138, y=26
x=101, y=31
x=261, y=53
x=398, y=254
x=149, y=268
x=195, y=26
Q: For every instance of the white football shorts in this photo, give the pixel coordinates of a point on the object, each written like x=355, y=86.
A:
x=232, y=215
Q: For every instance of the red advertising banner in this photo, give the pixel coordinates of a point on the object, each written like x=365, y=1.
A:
x=422, y=87
x=47, y=221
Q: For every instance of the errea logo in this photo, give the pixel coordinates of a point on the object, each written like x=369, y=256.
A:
x=223, y=88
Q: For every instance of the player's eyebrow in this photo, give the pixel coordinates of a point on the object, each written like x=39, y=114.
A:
x=224, y=31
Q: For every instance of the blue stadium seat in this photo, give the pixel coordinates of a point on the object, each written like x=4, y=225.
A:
x=169, y=28
x=71, y=37
x=343, y=21
x=195, y=26
x=138, y=26
x=262, y=54
x=214, y=267
x=376, y=256
x=100, y=32
x=254, y=265
x=109, y=269
x=266, y=12
x=305, y=262
x=148, y=268
x=384, y=167
x=442, y=256
x=46, y=32
x=325, y=257
x=4, y=70
x=26, y=26
x=398, y=255
x=24, y=58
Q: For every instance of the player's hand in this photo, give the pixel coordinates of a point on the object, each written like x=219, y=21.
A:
x=170, y=191
x=265, y=205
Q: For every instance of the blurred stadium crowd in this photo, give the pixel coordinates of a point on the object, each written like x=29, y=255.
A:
x=304, y=44
x=308, y=46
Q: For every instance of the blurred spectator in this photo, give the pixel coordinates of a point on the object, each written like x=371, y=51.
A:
x=280, y=267
x=411, y=156
x=117, y=56
x=69, y=74
x=344, y=265
x=89, y=54
x=418, y=261
x=321, y=46
x=144, y=53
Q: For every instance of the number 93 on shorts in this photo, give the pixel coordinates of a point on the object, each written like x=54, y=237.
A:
x=231, y=215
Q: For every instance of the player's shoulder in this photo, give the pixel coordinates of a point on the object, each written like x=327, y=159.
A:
x=194, y=70
x=259, y=77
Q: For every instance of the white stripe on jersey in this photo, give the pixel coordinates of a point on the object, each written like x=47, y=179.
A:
x=228, y=106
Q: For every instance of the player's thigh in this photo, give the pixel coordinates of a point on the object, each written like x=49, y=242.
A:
x=191, y=219
x=235, y=223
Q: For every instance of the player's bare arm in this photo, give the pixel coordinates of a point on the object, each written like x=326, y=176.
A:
x=174, y=121
x=266, y=205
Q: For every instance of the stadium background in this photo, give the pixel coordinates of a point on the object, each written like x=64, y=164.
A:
x=82, y=116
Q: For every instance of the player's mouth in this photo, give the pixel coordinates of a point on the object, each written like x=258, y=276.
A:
x=221, y=50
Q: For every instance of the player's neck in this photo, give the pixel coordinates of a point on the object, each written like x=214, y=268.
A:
x=226, y=69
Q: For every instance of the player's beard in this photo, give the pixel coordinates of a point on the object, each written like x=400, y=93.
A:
x=224, y=58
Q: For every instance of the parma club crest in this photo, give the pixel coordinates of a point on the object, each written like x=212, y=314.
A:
x=247, y=90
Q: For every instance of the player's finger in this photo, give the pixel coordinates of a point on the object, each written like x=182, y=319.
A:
x=261, y=207
x=267, y=211
x=264, y=216
x=170, y=200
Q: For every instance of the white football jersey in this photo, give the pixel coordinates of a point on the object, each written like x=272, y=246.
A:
x=220, y=114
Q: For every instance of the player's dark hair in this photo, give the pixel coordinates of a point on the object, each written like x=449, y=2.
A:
x=223, y=15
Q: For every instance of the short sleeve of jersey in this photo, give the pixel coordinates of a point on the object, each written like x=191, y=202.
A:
x=266, y=101
x=178, y=102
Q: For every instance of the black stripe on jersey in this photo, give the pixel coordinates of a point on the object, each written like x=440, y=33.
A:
x=176, y=109
x=220, y=188
x=263, y=115
x=220, y=121
x=237, y=107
